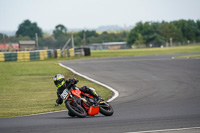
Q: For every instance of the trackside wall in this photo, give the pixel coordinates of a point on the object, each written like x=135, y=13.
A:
x=28, y=55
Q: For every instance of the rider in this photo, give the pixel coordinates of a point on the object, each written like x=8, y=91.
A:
x=62, y=84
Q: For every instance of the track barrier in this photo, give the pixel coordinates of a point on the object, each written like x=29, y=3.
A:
x=22, y=56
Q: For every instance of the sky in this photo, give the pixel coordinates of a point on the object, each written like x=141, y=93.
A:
x=93, y=13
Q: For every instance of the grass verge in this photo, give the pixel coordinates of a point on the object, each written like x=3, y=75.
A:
x=146, y=51
x=28, y=88
x=189, y=57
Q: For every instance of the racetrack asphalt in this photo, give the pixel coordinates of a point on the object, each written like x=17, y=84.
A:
x=155, y=93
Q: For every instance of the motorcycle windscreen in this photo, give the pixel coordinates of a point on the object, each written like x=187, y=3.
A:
x=93, y=110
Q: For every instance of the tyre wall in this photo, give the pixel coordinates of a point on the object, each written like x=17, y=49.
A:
x=22, y=56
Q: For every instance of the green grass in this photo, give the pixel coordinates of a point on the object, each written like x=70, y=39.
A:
x=189, y=57
x=145, y=51
x=28, y=88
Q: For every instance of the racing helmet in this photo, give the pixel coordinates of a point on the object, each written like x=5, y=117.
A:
x=59, y=80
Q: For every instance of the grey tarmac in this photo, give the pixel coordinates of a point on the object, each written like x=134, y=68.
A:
x=155, y=93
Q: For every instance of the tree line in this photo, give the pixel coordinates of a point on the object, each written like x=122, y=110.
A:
x=179, y=32
x=143, y=34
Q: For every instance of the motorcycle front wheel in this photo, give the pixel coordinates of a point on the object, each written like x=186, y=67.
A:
x=106, y=109
x=75, y=109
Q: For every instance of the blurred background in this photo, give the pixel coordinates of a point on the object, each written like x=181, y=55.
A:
x=98, y=24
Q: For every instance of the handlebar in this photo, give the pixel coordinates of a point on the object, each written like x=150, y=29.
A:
x=72, y=84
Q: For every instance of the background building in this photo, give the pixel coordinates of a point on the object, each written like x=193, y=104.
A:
x=108, y=45
x=27, y=45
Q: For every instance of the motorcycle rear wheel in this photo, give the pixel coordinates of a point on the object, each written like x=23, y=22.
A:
x=75, y=109
x=71, y=114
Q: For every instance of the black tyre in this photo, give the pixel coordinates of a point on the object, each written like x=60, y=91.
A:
x=71, y=114
x=106, y=109
x=75, y=109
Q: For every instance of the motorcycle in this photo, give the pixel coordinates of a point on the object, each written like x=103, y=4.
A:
x=82, y=104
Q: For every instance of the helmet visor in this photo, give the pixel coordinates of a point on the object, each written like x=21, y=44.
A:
x=57, y=82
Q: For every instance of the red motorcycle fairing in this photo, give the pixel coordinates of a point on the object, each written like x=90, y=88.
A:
x=93, y=110
x=76, y=93
x=87, y=95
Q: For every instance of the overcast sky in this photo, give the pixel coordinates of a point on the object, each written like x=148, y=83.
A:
x=93, y=13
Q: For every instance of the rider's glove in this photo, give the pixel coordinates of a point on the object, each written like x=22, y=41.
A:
x=60, y=101
x=74, y=81
x=57, y=101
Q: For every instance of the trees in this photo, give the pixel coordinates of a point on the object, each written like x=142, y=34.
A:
x=86, y=36
x=156, y=33
x=140, y=40
x=198, y=31
x=189, y=29
x=132, y=37
x=3, y=37
x=60, y=35
x=7, y=39
x=169, y=30
x=29, y=29
x=108, y=37
x=144, y=33
x=60, y=32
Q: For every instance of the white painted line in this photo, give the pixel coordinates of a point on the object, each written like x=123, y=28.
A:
x=116, y=93
x=166, y=130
